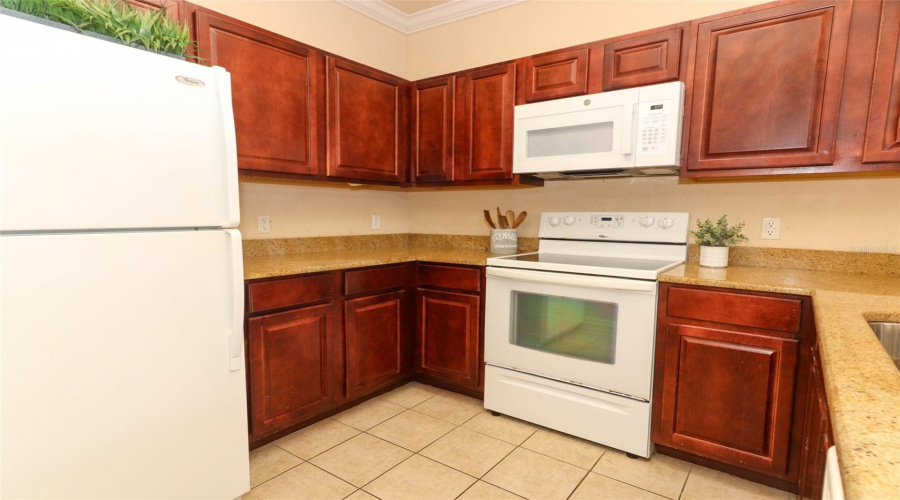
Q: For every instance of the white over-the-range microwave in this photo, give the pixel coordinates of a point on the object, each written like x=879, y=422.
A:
x=631, y=132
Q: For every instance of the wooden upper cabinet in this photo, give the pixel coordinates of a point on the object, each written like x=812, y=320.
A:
x=728, y=395
x=367, y=117
x=485, y=99
x=883, y=132
x=767, y=89
x=275, y=85
x=563, y=73
x=292, y=366
x=376, y=342
x=432, y=129
x=174, y=8
x=642, y=60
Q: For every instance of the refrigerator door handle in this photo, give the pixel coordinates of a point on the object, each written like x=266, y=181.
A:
x=223, y=90
x=236, y=335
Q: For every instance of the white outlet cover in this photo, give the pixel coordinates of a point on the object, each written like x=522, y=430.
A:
x=376, y=222
x=263, y=224
x=771, y=228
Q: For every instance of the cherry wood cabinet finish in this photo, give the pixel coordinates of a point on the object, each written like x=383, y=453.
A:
x=485, y=99
x=432, y=129
x=771, y=313
x=279, y=293
x=367, y=123
x=376, y=279
x=729, y=395
x=276, y=93
x=449, y=277
x=447, y=337
x=642, y=60
x=818, y=433
x=557, y=74
x=291, y=367
x=882, y=143
x=174, y=8
x=375, y=341
x=766, y=89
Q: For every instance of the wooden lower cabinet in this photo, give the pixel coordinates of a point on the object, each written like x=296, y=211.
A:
x=817, y=438
x=291, y=366
x=447, y=335
x=376, y=342
x=729, y=395
x=731, y=380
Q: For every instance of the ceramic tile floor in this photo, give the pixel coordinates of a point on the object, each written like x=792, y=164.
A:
x=422, y=443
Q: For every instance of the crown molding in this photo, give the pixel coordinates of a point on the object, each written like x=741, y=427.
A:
x=428, y=18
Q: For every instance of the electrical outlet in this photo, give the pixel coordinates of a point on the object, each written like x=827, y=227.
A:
x=376, y=222
x=263, y=224
x=771, y=229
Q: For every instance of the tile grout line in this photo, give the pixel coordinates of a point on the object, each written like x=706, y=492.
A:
x=279, y=474
x=586, y=475
x=683, y=486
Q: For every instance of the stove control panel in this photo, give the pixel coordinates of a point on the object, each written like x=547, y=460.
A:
x=651, y=227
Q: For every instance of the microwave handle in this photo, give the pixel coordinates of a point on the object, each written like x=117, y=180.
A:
x=628, y=126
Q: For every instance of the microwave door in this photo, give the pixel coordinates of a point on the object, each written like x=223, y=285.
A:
x=575, y=138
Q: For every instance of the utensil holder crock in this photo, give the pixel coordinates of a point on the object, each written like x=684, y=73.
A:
x=504, y=241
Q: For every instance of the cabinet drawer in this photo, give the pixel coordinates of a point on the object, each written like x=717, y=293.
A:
x=290, y=292
x=459, y=278
x=374, y=279
x=770, y=313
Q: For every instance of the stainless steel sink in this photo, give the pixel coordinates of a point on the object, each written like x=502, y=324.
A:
x=889, y=335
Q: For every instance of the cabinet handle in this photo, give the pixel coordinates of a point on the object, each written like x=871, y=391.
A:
x=628, y=129
x=236, y=333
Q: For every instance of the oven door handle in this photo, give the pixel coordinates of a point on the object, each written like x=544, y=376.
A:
x=596, y=282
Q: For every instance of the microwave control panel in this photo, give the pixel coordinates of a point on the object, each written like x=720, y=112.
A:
x=653, y=128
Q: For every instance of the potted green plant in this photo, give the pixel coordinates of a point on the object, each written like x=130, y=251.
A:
x=715, y=239
x=113, y=20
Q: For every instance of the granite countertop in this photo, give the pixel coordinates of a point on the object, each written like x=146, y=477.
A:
x=862, y=383
x=312, y=262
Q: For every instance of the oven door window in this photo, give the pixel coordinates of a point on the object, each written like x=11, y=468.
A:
x=564, y=326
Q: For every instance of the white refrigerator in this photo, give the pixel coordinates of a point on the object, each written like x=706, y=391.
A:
x=121, y=289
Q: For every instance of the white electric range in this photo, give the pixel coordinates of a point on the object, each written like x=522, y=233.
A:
x=570, y=329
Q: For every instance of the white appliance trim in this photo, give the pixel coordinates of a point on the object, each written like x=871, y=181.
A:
x=592, y=282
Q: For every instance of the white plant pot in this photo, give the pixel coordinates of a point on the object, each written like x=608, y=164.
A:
x=714, y=256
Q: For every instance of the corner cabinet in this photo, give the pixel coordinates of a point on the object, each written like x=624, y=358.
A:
x=277, y=94
x=728, y=378
x=766, y=90
x=432, y=129
x=882, y=142
x=818, y=438
x=485, y=99
x=367, y=123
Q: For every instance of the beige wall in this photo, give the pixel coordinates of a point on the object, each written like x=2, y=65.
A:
x=540, y=25
x=833, y=214
x=819, y=214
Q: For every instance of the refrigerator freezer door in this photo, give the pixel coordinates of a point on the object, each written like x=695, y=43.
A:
x=96, y=135
x=116, y=365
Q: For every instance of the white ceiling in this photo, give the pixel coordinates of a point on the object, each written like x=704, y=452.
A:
x=410, y=16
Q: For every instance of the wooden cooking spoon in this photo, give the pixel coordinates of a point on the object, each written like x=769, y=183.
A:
x=520, y=219
x=487, y=218
x=510, y=219
x=501, y=220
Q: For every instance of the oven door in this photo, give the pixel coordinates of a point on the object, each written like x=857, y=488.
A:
x=590, y=330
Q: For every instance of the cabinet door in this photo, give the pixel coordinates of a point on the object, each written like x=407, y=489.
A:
x=366, y=123
x=558, y=74
x=174, y=8
x=376, y=342
x=816, y=434
x=484, y=123
x=767, y=87
x=882, y=140
x=643, y=60
x=448, y=337
x=275, y=90
x=432, y=129
x=292, y=365
x=728, y=395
